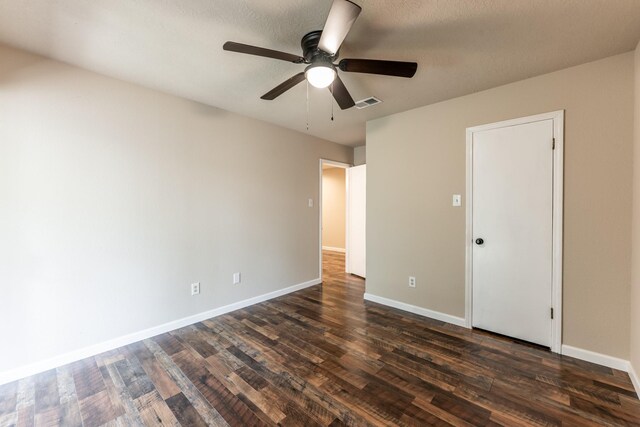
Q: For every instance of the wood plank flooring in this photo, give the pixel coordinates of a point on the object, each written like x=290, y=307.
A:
x=322, y=356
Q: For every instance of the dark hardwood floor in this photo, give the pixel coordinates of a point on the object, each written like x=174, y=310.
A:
x=322, y=356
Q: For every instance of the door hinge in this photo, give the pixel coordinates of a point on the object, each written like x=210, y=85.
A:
x=552, y=312
x=553, y=144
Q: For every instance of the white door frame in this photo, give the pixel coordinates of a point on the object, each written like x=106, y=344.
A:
x=346, y=218
x=558, y=174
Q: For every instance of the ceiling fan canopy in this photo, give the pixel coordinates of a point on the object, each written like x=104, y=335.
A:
x=319, y=51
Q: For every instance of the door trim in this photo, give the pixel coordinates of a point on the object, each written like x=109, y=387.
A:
x=344, y=166
x=557, y=221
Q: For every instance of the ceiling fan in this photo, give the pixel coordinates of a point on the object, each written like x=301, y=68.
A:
x=320, y=49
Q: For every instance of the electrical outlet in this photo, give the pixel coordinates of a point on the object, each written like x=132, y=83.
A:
x=195, y=288
x=412, y=282
x=236, y=278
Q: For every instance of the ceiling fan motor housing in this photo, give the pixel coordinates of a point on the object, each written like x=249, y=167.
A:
x=310, y=50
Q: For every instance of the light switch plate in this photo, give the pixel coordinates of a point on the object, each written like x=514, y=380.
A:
x=310, y=203
x=457, y=200
x=236, y=278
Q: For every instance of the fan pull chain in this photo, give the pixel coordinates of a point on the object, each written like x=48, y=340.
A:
x=307, y=105
x=331, y=98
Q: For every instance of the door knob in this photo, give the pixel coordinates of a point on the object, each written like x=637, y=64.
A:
x=479, y=241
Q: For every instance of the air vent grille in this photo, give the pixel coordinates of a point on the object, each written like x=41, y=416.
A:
x=367, y=102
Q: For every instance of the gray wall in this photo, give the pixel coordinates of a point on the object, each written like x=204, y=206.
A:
x=635, y=282
x=360, y=155
x=416, y=161
x=115, y=198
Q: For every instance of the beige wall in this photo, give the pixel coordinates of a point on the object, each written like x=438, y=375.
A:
x=115, y=198
x=360, y=155
x=416, y=161
x=333, y=208
x=635, y=275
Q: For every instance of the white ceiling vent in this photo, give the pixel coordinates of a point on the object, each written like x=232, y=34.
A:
x=367, y=102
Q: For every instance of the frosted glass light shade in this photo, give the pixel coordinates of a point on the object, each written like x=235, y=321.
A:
x=320, y=76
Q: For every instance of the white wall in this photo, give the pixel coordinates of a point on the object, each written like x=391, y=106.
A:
x=114, y=198
x=416, y=162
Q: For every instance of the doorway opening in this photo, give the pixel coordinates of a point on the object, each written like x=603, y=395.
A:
x=334, y=195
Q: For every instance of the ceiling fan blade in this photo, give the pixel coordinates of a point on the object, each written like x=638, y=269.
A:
x=341, y=17
x=375, y=66
x=283, y=87
x=260, y=51
x=341, y=94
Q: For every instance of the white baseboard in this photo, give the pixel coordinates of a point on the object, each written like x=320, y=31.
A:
x=597, y=358
x=635, y=380
x=604, y=360
x=83, y=353
x=332, y=249
x=416, y=310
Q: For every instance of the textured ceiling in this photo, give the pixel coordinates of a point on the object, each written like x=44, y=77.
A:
x=461, y=46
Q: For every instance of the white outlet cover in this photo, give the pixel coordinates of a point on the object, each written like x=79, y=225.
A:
x=310, y=203
x=236, y=278
x=195, y=288
x=412, y=282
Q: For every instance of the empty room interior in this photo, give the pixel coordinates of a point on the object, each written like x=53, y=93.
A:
x=320, y=213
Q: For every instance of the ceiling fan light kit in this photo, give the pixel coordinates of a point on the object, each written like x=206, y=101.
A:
x=320, y=75
x=320, y=49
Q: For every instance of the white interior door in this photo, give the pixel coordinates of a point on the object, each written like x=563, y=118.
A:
x=356, y=247
x=512, y=218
